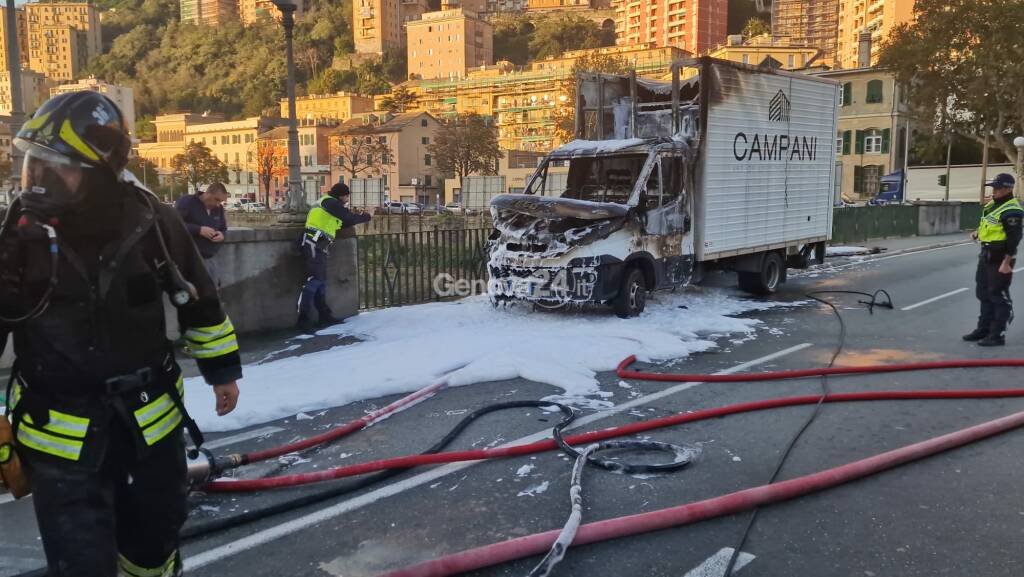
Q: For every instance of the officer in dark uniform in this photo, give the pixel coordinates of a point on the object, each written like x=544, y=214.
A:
x=999, y=233
x=86, y=254
x=324, y=221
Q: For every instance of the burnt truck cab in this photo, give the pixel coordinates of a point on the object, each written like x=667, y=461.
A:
x=731, y=167
x=624, y=206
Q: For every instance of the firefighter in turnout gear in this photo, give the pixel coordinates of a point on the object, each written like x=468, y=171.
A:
x=999, y=233
x=324, y=222
x=95, y=400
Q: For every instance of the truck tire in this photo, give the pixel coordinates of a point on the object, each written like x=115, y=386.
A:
x=632, y=297
x=765, y=281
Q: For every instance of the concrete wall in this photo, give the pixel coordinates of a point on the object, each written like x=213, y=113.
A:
x=938, y=218
x=262, y=273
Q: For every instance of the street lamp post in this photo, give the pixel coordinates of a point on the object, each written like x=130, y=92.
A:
x=1019, y=143
x=17, y=113
x=296, y=200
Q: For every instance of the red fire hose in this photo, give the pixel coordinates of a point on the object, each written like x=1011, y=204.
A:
x=345, y=429
x=746, y=499
x=818, y=372
x=586, y=438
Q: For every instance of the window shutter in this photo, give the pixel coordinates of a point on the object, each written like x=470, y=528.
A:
x=885, y=140
x=859, y=142
x=874, y=91
x=846, y=142
x=858, y=179
x=847, y=93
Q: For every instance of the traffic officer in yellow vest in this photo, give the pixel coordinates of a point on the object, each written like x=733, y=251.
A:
x=323, y=223
x=86, y=254
x=999, y=234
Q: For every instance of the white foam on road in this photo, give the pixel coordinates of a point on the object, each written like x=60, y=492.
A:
x=262, y=537
x=715, y=565
x=403, y=349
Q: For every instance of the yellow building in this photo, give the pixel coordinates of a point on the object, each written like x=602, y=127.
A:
x=876, y=19
x=22, y=49
x=61, y=37
x=767, y=50
x=696, y=26
x=209, y=12
x=872, y=129
x=35, y=89
x=559, y=5
x=445, y=44
x=808, y=22
x=523, y=102
x=250, y=11
x=338, y=106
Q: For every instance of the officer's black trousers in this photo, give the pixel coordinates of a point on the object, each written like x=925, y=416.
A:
x=993, y=290
x=131, y=507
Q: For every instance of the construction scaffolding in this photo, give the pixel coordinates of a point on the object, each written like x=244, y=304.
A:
x=808, y=22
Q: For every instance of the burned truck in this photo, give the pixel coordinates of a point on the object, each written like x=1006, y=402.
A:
x=727, y=166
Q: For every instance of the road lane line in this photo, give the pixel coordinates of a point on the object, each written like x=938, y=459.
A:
x=872, y=260
x=253, y=434
x=276, y=532
x=933, y=299
x=714, y=566
x=1018, y=269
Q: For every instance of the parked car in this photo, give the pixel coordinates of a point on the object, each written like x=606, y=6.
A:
x=254, y=207
x=455, y=208
x=413, y=208
x=394, y=207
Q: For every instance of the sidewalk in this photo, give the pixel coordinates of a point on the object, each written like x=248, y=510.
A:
x=914, y=243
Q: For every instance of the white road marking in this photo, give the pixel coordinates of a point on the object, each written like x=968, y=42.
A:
x=1018, y=269
x=253, y=434
x=270, y=534
x=933, y=299
x=874, y=260
x=715, y=565
x=6, y=498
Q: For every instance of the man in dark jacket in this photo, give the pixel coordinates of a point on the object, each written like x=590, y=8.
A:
x=323, y=223
x=85, y=255
x=203, y=214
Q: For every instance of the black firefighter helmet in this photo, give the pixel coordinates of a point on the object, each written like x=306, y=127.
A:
x=68, y=139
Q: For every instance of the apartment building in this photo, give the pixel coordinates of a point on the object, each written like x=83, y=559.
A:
x=22, y=36
x=445, y=44
x=696, y=26
x=209, y=12
x=863, y=24
x=768, y=51
x=251, y=11
x=61, y=37
x=35, y=89
x=314, y=160
x=338, y=106
x=377, y=24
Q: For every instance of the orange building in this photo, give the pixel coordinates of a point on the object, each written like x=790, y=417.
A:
x=445, y=44
x=877, y=18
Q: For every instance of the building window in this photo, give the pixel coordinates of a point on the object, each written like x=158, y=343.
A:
x=847, y=93
x=423, y=122
x=425, y=140
x=746, y=59
x=426, y=160
x=874, y=94
x=791, y=61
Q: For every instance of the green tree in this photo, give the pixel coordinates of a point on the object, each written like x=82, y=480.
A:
x=963, y=68
x=395, y=65
x=466, y=144
x=371, y=78
x=755, y=27
x=400, y=100
x=565, y=112
x=330, y=81
x=512, y=37
x=198, y=166
x=557, y=34
x=145, y=170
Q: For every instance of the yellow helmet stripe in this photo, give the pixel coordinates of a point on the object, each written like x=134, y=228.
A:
x=35, y=123
x=68, y=135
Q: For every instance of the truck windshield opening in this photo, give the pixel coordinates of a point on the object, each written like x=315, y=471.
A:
x=602, y=178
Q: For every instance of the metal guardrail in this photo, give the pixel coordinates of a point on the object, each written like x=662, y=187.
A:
x=410, y=267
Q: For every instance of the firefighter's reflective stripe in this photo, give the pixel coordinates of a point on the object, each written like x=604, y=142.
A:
x=126, y=568
x=160, y=417
x=64, y=424
x=34, y=438
x=60, y=423
x=211, y=342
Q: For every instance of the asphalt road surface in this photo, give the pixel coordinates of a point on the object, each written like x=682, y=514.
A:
x=959, y=514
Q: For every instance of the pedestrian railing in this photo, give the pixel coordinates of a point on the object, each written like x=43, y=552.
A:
x=417, y=267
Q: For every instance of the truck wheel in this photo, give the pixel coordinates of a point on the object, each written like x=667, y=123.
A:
x=765, y=281
x=632, y=297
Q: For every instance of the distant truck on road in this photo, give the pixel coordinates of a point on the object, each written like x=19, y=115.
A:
x=732, y=168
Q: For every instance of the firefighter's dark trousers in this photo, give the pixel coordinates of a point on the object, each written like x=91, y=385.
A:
x=122, y=519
